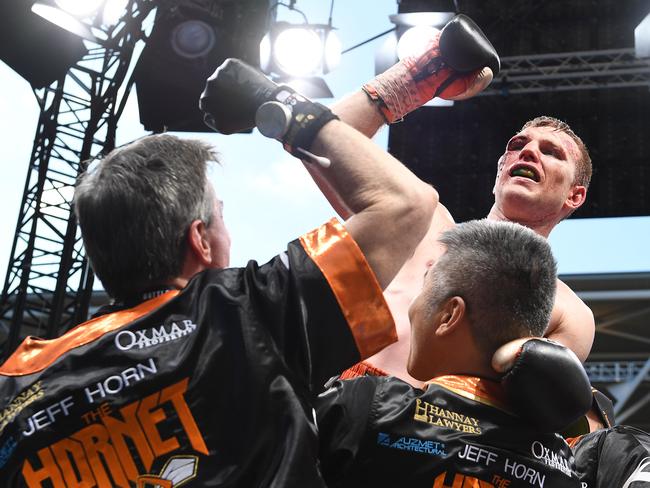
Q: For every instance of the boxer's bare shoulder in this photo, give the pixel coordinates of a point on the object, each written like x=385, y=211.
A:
x=442, y=217
x=401, y=291
x=572, y=322
x=409, y=279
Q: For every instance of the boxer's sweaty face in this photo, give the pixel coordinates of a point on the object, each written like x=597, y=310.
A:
x=536, y=175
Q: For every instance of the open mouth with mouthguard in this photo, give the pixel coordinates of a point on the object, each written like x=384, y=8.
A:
x=525, y=171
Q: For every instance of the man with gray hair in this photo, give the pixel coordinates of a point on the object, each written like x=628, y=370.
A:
x=495, y=283
x=198, y=372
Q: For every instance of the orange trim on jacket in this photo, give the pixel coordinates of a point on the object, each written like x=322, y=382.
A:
x=478, y=389
x=36, y=354
x=330, y=246
x=359, y=295
x=362, y=369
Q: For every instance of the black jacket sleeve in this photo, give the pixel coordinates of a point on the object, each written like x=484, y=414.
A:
x=343, y=413
x=320, y=303
x=618, y=457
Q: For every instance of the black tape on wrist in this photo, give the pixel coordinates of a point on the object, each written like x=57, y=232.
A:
x=307, y=121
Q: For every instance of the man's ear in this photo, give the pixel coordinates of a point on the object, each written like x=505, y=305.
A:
x=451, y=315
x=576, y=197
x=198, y=244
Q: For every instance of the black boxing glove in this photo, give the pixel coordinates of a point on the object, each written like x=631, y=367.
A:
x=458, y=63
x=238, y=97
x=233, y=94
x=464, y=48
x=546, y=383
x=600, y=416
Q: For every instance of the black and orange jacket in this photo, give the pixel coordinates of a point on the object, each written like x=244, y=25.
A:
x=209, y=386
x=458, y=432
x=614, y=457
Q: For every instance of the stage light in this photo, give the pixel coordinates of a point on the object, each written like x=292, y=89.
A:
x=63, y=19
x=296, y=54
x=414, y=19
x=310, y=86
x=80, y=8
x=188, y=41
x=413, y=32
x=642, y=38
x=193, y=39
x=36, y=49
x=113, y=11
x=79, y=16
x=298, y=51
x=332, y=51
x=415, y=40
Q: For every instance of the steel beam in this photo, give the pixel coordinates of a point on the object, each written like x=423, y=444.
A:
x=580, y=70
x=49, y=283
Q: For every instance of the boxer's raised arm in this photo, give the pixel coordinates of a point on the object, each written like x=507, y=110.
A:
x=391, y=207
x=358, y=111
x=457, y=64
x=387, y=201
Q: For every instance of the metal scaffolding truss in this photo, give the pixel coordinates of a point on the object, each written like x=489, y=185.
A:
x=49, y=283
x=619, y=362
x=615, y=371
x=582, y=70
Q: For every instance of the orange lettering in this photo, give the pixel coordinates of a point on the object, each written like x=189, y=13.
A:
x=175, y=394
x=95, y=440
x=112, y=451
x=149, y=418
x=50, y=471
x=130, y=427
x=471, y=482
x=439, y=482
x=74, y=448
x=460, y=481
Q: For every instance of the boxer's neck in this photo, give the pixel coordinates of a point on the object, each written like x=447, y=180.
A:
x=541, y=227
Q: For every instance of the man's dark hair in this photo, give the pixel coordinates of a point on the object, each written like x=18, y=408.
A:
x=506, y=274
x=135, y=206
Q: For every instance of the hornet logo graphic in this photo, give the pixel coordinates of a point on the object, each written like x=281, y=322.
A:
x=641, y=473
x=176, y=472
